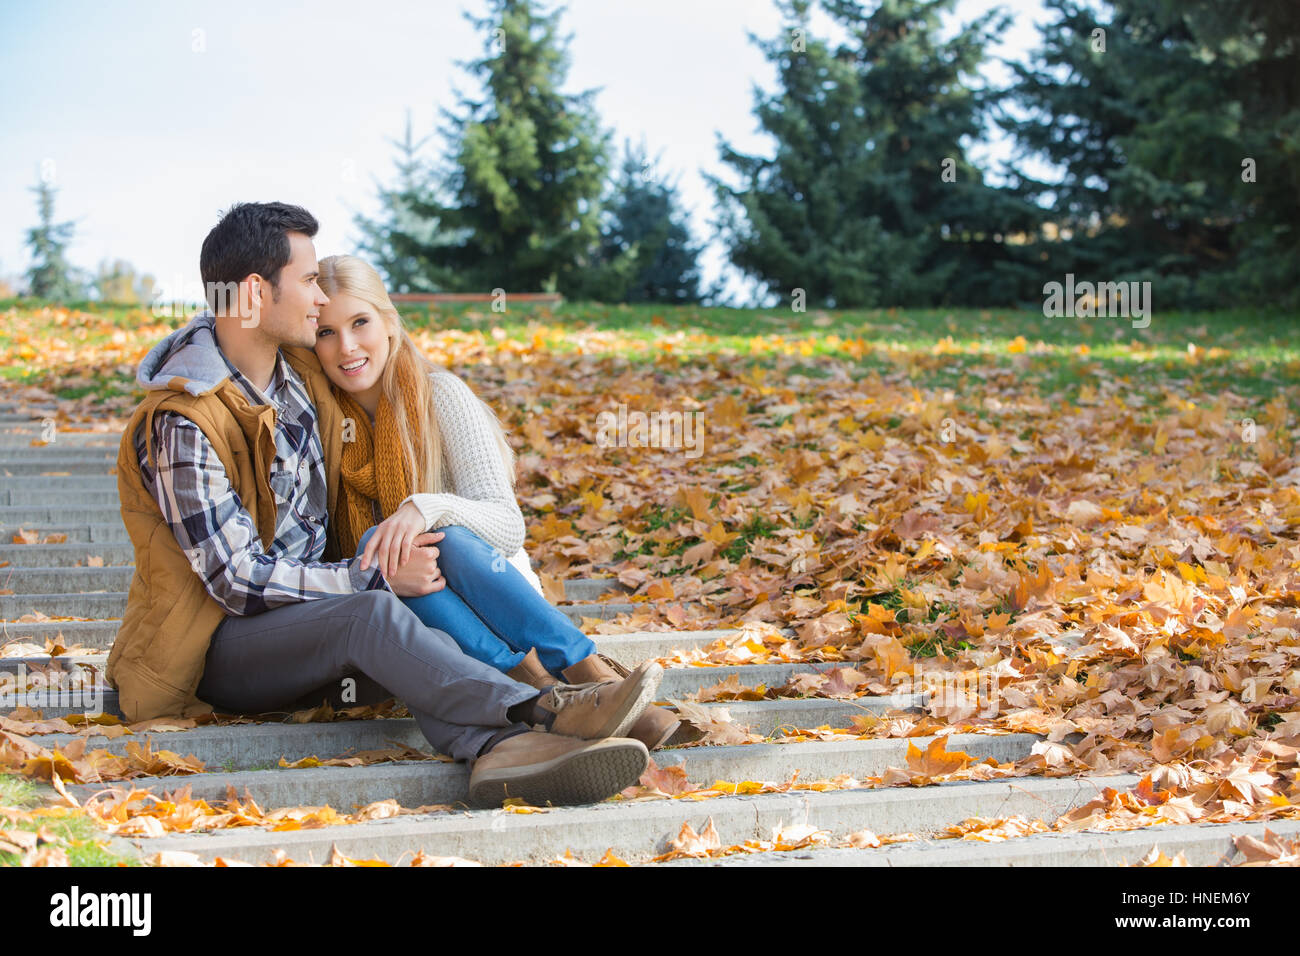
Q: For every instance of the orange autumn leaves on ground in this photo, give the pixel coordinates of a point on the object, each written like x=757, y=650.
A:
x=1259, y=786
x=1121, y=567
x=22, y=752
x=125, y=811
x=1087, y=572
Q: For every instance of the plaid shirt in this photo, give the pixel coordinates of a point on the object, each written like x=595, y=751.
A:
x=215, y=530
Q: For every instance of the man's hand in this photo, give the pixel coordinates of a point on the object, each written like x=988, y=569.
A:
x=419, y=575
x=390, y=545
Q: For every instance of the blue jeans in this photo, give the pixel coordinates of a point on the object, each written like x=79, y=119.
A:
x=491, y=610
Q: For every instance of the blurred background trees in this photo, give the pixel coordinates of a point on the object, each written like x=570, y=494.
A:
x=1150, y=140
x=50, y=275
x=1169, y=131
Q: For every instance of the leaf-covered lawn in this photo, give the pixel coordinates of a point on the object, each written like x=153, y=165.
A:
x=1074, y=528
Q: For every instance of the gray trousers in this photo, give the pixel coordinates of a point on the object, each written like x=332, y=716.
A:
x=298, y=655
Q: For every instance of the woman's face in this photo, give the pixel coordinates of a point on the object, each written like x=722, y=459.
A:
x=352, y=346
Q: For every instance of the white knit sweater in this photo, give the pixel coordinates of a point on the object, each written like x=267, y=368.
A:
x=479, y=495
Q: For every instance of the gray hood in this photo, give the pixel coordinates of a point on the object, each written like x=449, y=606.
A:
x=189, y=354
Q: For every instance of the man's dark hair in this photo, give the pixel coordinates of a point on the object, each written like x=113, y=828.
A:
x=251, y=237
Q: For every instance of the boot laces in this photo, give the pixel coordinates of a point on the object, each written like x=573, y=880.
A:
x=561, y=696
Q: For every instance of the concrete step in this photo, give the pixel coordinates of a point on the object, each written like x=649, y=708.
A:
x=55, y=453
x=59, y=484
x=101, y=532
x=638, y=830
x=677, y=681
x=68, y=466
x=759, y=717
x=66, y=580
x=592, y=589
x=66, y=662
x=38, y=516
x=22, y=438
x=411, y=783
x=85, y=497
x=112, y=604
x=261, y=745
x=94, y=634
x=109, y=604
x=1202, y=844
x=26, y=556
x=628, y=649
x=37, y=568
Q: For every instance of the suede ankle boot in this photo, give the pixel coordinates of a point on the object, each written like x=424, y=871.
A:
x=655, y=725
x=606, y=708
x=531, y=672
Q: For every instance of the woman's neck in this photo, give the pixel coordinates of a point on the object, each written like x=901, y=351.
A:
x=368, y=400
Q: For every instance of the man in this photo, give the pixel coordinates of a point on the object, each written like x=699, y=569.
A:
x=228, y=472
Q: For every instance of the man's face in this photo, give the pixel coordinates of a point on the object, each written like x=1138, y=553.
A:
x=288, y=315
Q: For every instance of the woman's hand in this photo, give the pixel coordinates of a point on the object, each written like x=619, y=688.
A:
x=390, y=545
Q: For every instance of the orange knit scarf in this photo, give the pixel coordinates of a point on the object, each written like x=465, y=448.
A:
x=373, y=466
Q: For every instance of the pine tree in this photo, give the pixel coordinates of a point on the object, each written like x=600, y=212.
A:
x=50, y=275
x=1148, y=110
x=870, y=199
x=526, y=168
x=645, y=252
x=393, y=241
x=1089, y=90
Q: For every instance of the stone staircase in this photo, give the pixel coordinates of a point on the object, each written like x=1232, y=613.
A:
x=68, y=488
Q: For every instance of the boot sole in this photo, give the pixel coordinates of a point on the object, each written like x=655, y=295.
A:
x=594, y=773
x=621, y=720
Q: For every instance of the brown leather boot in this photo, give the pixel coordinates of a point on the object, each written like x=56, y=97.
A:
x=655, y=725
x=530, y=671
x=544, y=768
x=602, y=709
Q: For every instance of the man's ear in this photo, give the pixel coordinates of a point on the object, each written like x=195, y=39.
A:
x=256, y=286
x=250, y=298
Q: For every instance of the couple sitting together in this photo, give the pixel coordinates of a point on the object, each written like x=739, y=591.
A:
x=315, y=508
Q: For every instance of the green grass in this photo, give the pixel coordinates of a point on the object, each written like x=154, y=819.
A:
x=932, y=645
x=914, y=327
x=756, y=527
x=1254, y=353
x=891, y=600
x=79, y=833
x=664, y=519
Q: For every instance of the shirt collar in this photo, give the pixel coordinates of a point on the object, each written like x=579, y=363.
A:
x=279, y=375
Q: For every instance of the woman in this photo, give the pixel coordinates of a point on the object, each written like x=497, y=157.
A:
x=428, y=454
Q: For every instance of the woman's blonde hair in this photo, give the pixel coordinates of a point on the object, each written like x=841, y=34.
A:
x=356, y=277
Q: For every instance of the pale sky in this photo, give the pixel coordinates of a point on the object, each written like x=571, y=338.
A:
x=152, y=118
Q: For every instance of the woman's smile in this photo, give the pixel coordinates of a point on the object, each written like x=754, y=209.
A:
x=352, y=343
